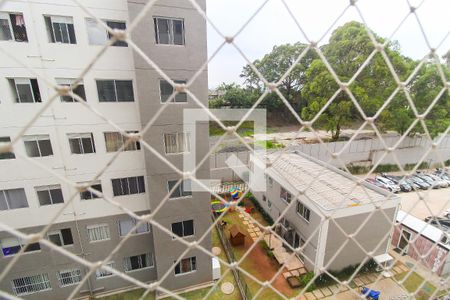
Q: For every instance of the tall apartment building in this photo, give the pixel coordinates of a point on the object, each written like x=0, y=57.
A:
x=58, y=39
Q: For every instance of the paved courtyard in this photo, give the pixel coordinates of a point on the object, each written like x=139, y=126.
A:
x=436, y=200
x=388, y=287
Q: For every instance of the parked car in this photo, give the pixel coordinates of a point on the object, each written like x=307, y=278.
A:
x=442, y=183
x=427, y=180
x=376, y=183
x=436, y=184
x=423, y=185
x=443, y=176
x=400, y=181
x=389, y=184
x=444, y=222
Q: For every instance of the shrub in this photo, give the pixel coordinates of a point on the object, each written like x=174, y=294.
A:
x=386, y=168
x=305, y=279
x=261, y=210
x=358, y=169
x=447, y=162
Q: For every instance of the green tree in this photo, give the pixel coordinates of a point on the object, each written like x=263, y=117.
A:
x=347, y=50
x=273, y=66
x=234, y=96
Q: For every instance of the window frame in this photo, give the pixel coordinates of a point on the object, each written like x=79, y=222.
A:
x=11, y=29
x=36, y=139
x=134, y=222
x=68, y=82
x=186, y=139
x=136, y=145
x=6, y=155
x=127, y=179
x=45, y=282
x=285, y=192
x=92, y=195
x=180, y=189
x=35, y=90
x=98, y=274
x=95, y=226
x=61, y=237
x=174, y=235
x=173, y=101
x=107, y=35
x=193, y=266
x=74, y=274
x=48, y=188
x=171, y=36
x=80, y=136
x=8, y=201
x=116, y=100
x=20, y=244
x=148, y=256
x=303, y=211
x=48, y=20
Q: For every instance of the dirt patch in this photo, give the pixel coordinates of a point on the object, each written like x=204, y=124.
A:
x=257, y=262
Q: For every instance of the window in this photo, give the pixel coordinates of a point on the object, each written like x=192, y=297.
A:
x=69, y=277
x=87, y=195
x=61, y=237
x=115, y=140
x=182, y=190
x=184, y=228
x=126, y=225
x=98, y=232
x=169, y=31
x=115, y=90
x=138, y=262
x=81, y=143
x=25, y=90
x=38, y=145
x=177, y=142
x=128, y=185
x=270, y=180
x=264, y=198
x=49, y=194
x=31, y=284
x=102, y=273
x=303, y=211
x=60, y=29
x=269, y=204
x=13, y=199
x=12, y=245
x=285, y=195
x=6, y=155
x=98, y=35
x=77, y=90
x=12, y=27
x=166, y=90
x=186, y=265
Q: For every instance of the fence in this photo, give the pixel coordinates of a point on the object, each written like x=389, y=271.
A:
x=365, y=152
x=238, y=276
x=103, y=104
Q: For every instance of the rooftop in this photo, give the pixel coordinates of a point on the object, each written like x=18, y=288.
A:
x=329, y=187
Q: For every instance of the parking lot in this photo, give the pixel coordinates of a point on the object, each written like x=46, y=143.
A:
x=434, y=202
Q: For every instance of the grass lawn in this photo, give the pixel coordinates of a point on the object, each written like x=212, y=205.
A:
x=413, y=282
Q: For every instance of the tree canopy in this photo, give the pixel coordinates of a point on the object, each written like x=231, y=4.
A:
x=310, y=84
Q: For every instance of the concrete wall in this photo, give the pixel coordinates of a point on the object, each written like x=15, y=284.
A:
x=49, y=261
x=361, y=152
x=369, y=237
x=178, y=62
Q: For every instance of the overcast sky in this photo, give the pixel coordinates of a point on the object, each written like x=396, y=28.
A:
x=274, y=26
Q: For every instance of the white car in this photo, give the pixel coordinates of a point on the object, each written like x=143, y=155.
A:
x=389, y=184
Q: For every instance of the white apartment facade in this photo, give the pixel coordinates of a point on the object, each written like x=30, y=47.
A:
x=57, y=39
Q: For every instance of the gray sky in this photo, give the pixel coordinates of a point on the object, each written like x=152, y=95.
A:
x=274, y=26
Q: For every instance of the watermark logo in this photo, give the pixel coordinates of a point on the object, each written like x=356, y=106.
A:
x=252, y=173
